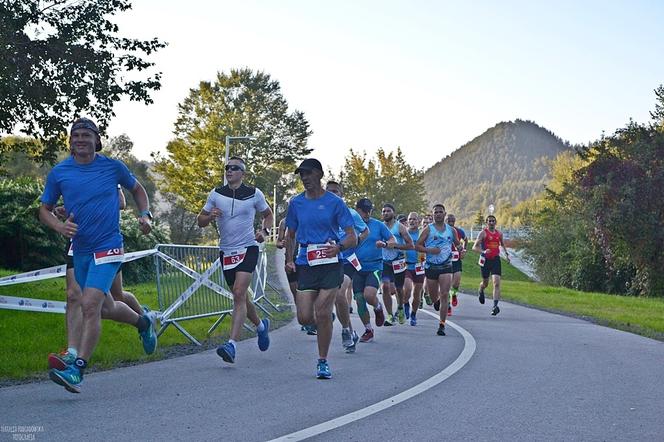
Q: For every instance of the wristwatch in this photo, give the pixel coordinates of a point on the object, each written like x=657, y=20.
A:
x=341, y=247
x=146, y=213
x=266, y=230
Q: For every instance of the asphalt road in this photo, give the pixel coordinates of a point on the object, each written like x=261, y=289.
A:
x=533, y=376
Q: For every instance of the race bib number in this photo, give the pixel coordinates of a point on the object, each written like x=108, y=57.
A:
x=399, y=265
x=111, y=255
x=316, y=255
x=70, y=250
x=481, y=261
x=355, y=262
x=419, y=269
x=455, y=255
x=234, y=259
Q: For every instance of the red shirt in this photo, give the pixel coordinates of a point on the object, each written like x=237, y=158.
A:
x=491, y=243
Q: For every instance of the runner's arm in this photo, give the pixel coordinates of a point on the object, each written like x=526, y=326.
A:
x=406, y=237
x=363, y=235
x=419, y=245
x=67, y=228
x=477, y=247
x=121, y=196
x=507, y=255
x=143, y=204
x=290, y=249
x=268, y=219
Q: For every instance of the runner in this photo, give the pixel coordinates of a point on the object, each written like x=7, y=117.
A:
x=426, y=219
x=457, y=255
x=313, y=220
x=436, y=240
x=367, y=280
x=349, y=337
x=414, y=272
x=488, y=245
x=234, y=208
x=88, y=181
x=74, y=314
x=394, y=265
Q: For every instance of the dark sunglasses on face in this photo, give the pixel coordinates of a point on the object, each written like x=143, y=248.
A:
x=234, y=168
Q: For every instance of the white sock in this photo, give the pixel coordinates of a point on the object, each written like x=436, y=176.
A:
x=72, y=351
x=260, y=327
x=232, y=342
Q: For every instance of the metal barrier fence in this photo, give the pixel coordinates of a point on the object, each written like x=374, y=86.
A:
x=190, y=285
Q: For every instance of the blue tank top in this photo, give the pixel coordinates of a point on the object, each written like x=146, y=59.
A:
x=392, y=254
x=411, y=255
x=442, y=240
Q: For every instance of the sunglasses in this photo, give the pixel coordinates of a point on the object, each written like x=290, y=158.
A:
x=234, y=168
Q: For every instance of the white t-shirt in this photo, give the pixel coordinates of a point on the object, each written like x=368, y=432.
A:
x=238, y=210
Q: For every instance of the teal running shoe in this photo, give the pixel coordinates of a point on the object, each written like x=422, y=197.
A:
x=227, y=352
x=60, y=361
x=401, y=316
x=149, y=335
x=70, y=378
x=323, y=370
x=264, y=336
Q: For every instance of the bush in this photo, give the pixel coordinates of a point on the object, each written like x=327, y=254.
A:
x=27, y=244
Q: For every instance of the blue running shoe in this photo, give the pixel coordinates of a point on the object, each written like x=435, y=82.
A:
x=406, y=310
x=413, y=320
x=323, y=370
x=263, y=336
x=149, y=335
x=312, y=330
x=60, y=361
x=227, y=352
x=70, y=378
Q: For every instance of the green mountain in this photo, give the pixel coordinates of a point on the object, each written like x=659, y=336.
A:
x=507, y=164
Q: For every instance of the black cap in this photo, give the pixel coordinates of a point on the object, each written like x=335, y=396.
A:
x=364, y=204
x=310, y=164
x=86, y=123
x=401, y=217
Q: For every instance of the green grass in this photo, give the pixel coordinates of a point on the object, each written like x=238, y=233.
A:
x=644, y=316
x=28, y=337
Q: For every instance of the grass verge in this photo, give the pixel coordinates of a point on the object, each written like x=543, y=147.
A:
x=28, y=337
x=644, y=316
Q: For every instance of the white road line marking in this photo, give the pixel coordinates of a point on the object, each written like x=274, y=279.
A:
x=468, y=351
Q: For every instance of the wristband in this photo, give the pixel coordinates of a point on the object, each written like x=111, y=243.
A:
x=341, y=247
x=145, y=213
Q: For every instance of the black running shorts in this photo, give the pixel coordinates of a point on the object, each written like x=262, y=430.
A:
x=433, y=271
x=366, y=278
x=322, y=277
x=248, y=265
x=491, y=267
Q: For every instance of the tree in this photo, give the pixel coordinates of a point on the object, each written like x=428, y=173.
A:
x=59, y=59
x=235, y=104
x=388, y=179
x=599, y=227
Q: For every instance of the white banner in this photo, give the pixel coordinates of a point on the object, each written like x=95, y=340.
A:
x=32, y=305
x=41, y=305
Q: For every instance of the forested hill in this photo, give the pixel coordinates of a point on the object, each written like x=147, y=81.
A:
x=504, y=166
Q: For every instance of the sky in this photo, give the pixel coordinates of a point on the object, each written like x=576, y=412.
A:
x=427, y=76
